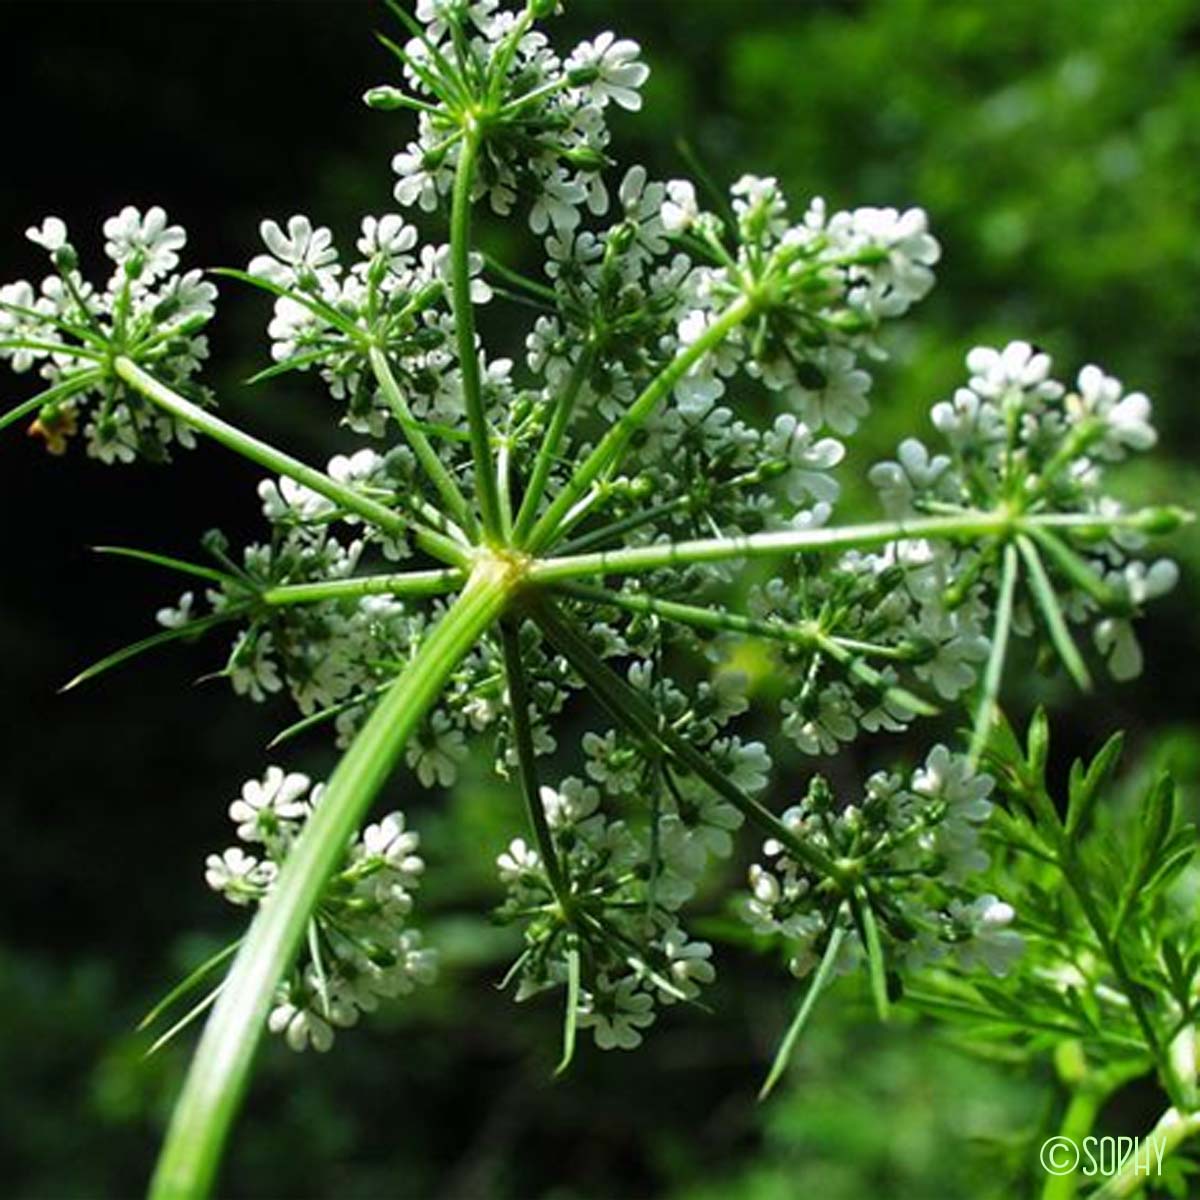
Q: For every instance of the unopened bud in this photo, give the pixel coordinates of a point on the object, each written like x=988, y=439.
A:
x=586, y=159
x=384, y=98
x=1164, y=519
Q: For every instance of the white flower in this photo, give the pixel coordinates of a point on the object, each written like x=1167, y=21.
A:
x=51, y=234
x=809, y=460
x=760, y=207
x=264, y=803
x=833, y=390
x=389, y=236
x=888, y=289
x=435, y=751
x=688, y=965
x=991, y=942
x=239, y=876
x=301, y=1027
x=518, y=859
x=615, y=1014
x=129, y=234
x=572, y=804
x=914, y=473
x=180, y=615
x=390, y=841
x=295, y=256
x=1016, y=368
x=1114, y=636
x=680, y=209
x=1126, y=419
x=609, y=70
x=950, y=779
x=251, y=670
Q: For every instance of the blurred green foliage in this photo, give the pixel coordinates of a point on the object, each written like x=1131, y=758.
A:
x=1055, y=144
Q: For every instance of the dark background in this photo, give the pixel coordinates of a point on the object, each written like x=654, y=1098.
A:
x=1055, y=145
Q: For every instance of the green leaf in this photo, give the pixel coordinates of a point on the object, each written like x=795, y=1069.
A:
x=571, y=1016
x=296, y=363
x=1056, y=623
x=186, y=1019
x=1037, y=742
x=192, y=629
x=172, y=564
x=188, y=983
x=815, y=988
x=1085, y=784
x=323, y=715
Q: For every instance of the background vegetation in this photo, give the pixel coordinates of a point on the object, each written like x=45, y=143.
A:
x=1055, y=144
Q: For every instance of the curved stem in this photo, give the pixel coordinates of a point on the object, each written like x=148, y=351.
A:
x=616, y=440
x=1143, y=1165
x=464, y=328
x=221, y=1065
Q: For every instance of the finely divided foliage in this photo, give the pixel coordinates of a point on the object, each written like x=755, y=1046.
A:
x=516, y=531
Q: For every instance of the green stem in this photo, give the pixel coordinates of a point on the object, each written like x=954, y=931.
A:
x=258, y=451
x=614, y=443
x=518, y=704
x=563, y=407
x=995, y=664
x=407, y=583
x=427, y=456
x=464, y=323
x=60, y=392
x=1173, y=1129
x=760, y=545
x=629, y=708
x=646, y=516
x=221, y=1066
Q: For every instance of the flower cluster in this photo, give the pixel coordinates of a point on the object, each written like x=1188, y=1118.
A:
x=392, y=300
x=601, y=492
x=71, y=332
x=360, y=947
x=1016, y=438
x=484, y=81
x=917, y=843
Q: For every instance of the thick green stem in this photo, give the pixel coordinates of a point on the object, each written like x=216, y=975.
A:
x=967, y=526
x=464, y=323
x=630, y=709
x=427, y=456
x=221, y=1066
x=613, y=444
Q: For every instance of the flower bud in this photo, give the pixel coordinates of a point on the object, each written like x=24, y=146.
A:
x=586, y=159
x=384, y=98
x=1165, y=519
